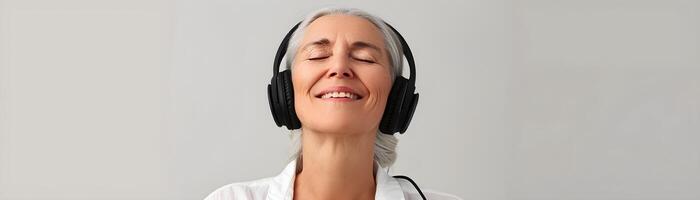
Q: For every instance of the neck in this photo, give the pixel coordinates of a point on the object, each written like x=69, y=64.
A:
x=336, y=166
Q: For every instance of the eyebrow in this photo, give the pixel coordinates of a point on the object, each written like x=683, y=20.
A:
x=361, y=44
x=321, y=42
x=355, y=45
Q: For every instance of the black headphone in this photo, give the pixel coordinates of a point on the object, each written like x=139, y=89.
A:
x=400, y=105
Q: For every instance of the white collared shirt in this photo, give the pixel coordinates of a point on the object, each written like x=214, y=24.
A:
x=281, y=187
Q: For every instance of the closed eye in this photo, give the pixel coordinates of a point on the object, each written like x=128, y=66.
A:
x=318, y=58
x=364, y=60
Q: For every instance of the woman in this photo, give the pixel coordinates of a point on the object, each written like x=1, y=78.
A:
x=345, y=69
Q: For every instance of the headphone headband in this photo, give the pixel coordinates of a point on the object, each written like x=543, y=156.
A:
x=282, y=49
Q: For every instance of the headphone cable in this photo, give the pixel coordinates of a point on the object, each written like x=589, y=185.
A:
x=412, y=182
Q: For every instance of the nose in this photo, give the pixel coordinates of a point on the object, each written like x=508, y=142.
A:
x=340, y=69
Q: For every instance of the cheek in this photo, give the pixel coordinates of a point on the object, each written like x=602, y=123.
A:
x=302, y=80
x=381, y=81
x=378, y=82
x=299, y=83
x=384, y=87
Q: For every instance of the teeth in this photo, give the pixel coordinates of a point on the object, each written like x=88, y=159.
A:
x=339, y=95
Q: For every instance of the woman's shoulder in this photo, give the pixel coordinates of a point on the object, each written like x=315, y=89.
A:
x=255, y=189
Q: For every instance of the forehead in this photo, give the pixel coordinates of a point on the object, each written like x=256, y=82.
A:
x=346, y=27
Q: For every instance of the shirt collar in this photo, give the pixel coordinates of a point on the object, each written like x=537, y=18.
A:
x=282, y=186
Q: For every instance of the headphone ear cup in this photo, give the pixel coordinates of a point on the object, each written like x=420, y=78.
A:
x=272, y=101
x=281, y=104
x=293, y=122
x=282, y=100
x=389, y=122
x=408, y=110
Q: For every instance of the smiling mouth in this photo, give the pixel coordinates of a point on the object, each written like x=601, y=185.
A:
x=339, y=96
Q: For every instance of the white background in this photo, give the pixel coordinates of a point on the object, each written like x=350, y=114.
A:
x=155, y=99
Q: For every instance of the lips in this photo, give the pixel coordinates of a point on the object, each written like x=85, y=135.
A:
x=339, y=92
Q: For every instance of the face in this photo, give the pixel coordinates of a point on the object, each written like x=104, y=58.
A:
x=341, y=75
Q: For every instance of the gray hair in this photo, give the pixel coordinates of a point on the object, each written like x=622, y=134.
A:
x=385, y=144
